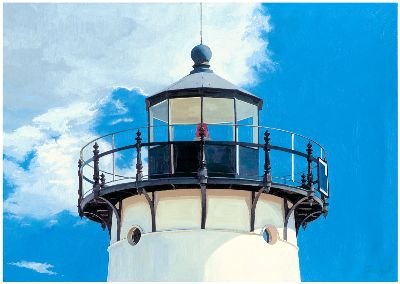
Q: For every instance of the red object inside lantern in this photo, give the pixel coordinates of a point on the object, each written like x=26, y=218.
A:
x=206, y=133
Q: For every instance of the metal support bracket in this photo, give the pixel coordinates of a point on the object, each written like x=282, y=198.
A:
x=254, y=205
x=117, y=215
x=305, y=219
x=289, y=214
x=152, y=209
x=103, y=222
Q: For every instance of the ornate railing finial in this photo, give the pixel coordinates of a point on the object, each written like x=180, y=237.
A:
x=102, y=180
x=139, y=165
x=202, y=173
x=310, y=178
x=96, y=176
x=267, y=164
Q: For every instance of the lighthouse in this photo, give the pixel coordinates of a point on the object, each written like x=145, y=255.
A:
x=211, y=194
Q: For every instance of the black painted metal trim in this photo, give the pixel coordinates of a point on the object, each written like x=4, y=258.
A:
x=206, y=92
x=311, y=215
x=150, y=201
x=289, y=214
x=203, y=191
x=117, y=215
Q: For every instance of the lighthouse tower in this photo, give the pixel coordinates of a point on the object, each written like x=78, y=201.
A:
x=210, y=195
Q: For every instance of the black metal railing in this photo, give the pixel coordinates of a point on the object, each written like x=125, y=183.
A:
x=128, y=155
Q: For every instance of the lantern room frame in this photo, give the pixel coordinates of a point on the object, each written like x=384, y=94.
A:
x=239, y=100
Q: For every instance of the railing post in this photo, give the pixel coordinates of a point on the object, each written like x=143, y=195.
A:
x=325, y=207
x=113, y=157
x=80, y=188
x=267, y=180
x=303, y=181
x=292, y=157
x=102, y=180
x=267, y=164
x=202, y=175
x=139, y=165
x=310, y=178
x=96, y=176
x=202, y=172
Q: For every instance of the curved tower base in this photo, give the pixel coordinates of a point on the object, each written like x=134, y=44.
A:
x=224, y=251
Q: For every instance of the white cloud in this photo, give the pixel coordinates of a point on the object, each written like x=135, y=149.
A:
x=119, y=120
x=61, y=119
x=49, y=186
x=56, y=54
x=21, y=141
x=81, y=222
x=39, y=267
x=62, y=61
x=51, y=223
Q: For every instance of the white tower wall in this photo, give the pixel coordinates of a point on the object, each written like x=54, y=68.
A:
x=224, y=251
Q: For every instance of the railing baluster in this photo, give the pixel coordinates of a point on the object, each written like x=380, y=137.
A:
x=202, y=175
x=102, y=180
x=202, y=172
x=267, y=180
x=96, y=176
x=139, y=165
x=267, y=163
x=303, y=181
x=292, y=157
x=113, y=157
x=310, y=178
x=325, y=207
x=80, y=188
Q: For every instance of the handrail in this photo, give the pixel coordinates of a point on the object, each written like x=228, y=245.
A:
x=231, y=143
x=286, y=178
x=217, y=124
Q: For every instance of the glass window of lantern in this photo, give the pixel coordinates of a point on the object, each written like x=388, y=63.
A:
x=219, y=118
x=159, y=122
x=185, y=116
x=247, y=121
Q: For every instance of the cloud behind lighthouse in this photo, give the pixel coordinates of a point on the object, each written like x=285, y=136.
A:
x=62, y=63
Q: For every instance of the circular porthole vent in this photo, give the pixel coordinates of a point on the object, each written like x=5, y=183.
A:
x=269, y=234
x=134, y=235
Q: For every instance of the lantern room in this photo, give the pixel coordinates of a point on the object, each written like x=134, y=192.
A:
x=203, y=100
x=203, y=133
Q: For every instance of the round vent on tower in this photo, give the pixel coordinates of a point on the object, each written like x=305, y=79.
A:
x=134, y=235
x=269, y=234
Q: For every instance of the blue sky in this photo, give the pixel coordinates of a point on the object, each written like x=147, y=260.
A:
x=329, y=72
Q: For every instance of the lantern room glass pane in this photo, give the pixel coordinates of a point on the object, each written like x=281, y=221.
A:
x=159, y=122
x=184, y=132
x=160, y=111
x=246, y=111
x=218, y=110
x=247, y=120
x=185, y=110
x=219, y=117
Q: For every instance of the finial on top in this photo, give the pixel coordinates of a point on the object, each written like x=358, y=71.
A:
x=201, y=55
